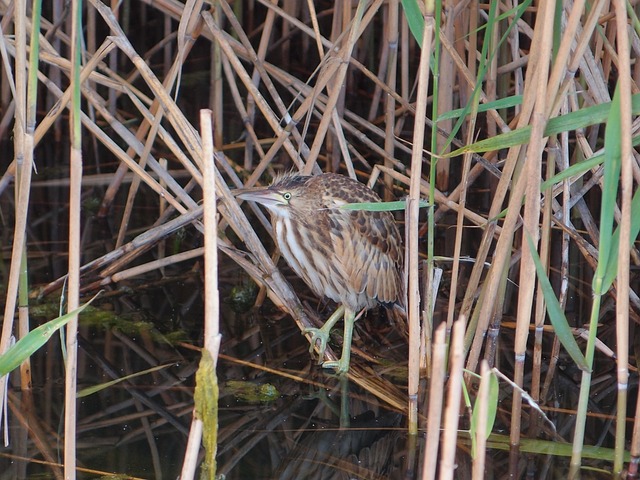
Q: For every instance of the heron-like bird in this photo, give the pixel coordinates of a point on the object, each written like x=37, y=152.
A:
x=354, y=257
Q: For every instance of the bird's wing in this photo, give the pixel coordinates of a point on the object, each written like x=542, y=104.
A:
x=369, y=247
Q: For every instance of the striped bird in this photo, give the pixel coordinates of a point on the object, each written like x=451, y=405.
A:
x=354, y=257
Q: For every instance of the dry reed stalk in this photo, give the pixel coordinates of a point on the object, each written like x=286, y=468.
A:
x=626, y=192
x=192, y=451
x=411, y=233
x=334, y=140
x=532, y=173
x=540, y=307
x=250, y=113
x=27, y=416
x=24, y=158
x=481, y=429
x=491, y=82
x=563, y=163
x=73, y=282
x=391, y=49
x=445, y=90
x=291, y=80
x=108, y=142
x=454, y=396
x=256, y=97
x=143, y=132
x=216, y=103
x=7, y=95
x=436, y=401
x=23, y=180
x=63, y=99
x=17, y=285
x=189, y=23
x=503, y=247
x=471, y=80
x=212, y=308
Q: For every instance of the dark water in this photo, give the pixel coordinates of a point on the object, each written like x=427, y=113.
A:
x=281, y=416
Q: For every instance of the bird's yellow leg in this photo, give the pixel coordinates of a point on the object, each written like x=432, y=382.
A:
x=342, y=366
x=323, y=333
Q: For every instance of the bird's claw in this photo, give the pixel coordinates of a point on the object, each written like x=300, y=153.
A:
x=318, y=334
x=338, y=365
x=322, y=334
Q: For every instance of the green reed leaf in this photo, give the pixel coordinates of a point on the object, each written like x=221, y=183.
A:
x=492, y=409
x=413, y=14
x=36, y=338
x=556, y=315
x=85, y=392
x=612, y=166
x=506, y=102
x=612, y=267
x=572, y=121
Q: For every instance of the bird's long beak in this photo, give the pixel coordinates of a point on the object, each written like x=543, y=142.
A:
x=263, y=196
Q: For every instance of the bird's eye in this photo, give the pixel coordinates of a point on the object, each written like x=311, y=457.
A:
x=286, y=196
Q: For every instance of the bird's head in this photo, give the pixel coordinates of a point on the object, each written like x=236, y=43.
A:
x=289, y=193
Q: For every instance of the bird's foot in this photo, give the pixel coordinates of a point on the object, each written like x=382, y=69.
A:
x=340, y=366
x=321, y=335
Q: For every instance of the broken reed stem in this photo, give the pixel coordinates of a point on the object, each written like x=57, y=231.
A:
x=437, y=380
x=454, y=397
x=481, y=433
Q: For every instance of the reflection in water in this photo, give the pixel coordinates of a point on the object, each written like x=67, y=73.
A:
x=363, y=450
x=328, y=433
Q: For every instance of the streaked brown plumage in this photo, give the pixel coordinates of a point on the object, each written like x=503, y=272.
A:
x=354, y=257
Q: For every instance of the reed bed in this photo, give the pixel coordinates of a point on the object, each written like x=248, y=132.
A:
x=516, y=122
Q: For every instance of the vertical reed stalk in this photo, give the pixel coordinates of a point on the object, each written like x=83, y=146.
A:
x=532, y=173
x=212, y=335
x=454, y=397
x=481, y=433
x=563, y=163
x=412, y=226
x=75, y=183
x=390, y=105
x=540, y=310
x=626, y=193
x=217, y=98
x=492, y=285
x=443, y=87
x=26, y=399
x=434, y=13
x=436, y=401
x=601, y=283
x=17, y=288
x=205, y=420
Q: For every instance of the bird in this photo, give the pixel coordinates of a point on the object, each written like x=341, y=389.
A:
x=352, y=256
